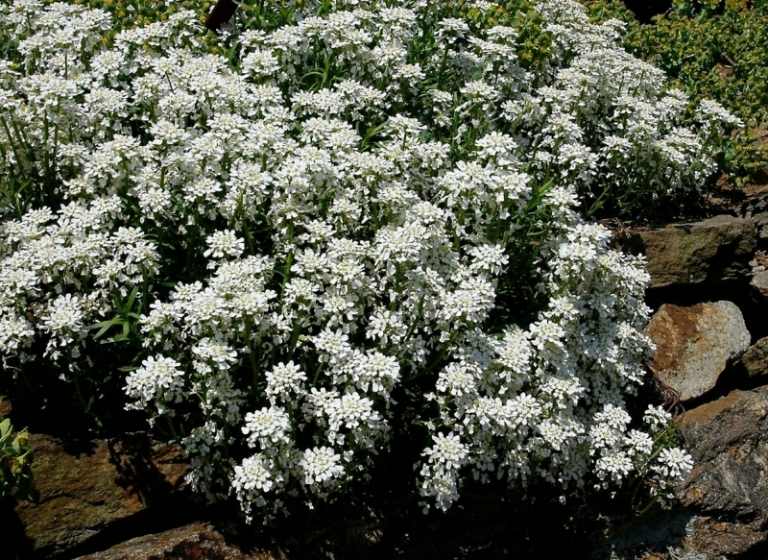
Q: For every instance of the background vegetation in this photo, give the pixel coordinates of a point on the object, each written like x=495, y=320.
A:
x=714, y=49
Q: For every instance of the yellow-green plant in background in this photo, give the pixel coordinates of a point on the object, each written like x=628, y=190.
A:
x=15, y=461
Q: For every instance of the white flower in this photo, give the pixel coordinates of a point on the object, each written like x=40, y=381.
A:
x=253, y=482
x=285, y=381
x=656, y=418
x=341, y=234
x=615, y=466
x=65, y=315
x=267, y=426
x=447, y=451
x=224, y=244
x=673, y=464
x=159, y=380
x=321, y=466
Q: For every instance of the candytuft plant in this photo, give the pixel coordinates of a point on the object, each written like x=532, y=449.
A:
x=361, y=232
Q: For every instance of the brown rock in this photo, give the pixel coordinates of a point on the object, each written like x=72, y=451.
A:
x=695, y=344
x=197, y=541
x=719, y=538
x=755, y=359
x=724, y=502
x=728, y=487
x=81, y=494
x=723, y=70
x=705, y=538
x=714, y=250
x=5, y=407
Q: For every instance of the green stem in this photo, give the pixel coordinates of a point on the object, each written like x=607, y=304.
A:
x=251, y=355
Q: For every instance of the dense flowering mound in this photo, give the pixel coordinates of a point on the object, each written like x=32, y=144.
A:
x=365, y=222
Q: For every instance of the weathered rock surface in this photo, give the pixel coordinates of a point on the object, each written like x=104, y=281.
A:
x=714, y=250
x=5, y=407
x=694, y=344
x=646, y=538
x=759, y=285
x=728, y=487
x=196, y=541
x=82, y=493
x=724, y=501
x=761, y=223
x=755, y=359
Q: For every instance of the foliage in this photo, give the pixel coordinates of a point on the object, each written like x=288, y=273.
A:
x=715, y=50
x=15, y=462
x=353, y=231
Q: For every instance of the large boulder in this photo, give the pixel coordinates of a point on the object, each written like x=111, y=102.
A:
x=694, y=344
x=196, y=541
x=711, y=251
x=85, y=492
x=728, y=487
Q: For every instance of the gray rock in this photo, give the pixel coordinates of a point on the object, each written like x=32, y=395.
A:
x=645, y=538
x=714, y=250
x=761, y=222
x=759, y=285
x=694, y=345
x=723, y=504
x=723, y=509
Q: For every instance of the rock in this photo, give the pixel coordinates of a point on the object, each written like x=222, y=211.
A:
x=724, y=71
x=759, y=285
x=719, y=538
x=728, y=487
x=761, y=223
x=755, y=206
x=197, y=541
x=84, y=493
x=694, y=344
x=5, y=407
x=723, y=509
x=644, y=538
x=755, y=359
x=714, y=250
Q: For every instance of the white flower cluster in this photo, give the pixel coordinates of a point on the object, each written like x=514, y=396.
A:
x=60, y=273
x=157, y=380
x=342, y=221
x=607, y=124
